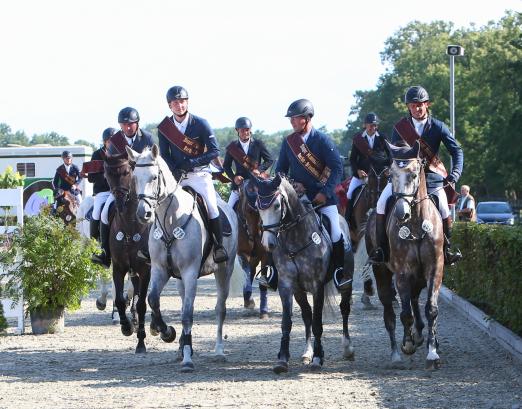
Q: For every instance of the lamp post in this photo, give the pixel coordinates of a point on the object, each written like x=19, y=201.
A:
x=453, y=51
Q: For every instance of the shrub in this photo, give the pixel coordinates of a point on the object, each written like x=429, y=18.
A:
x=489, y=274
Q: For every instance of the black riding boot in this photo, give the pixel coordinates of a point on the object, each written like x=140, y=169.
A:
x=104, y=258
x=342, y=277
x=450, y=257
x=382, y=252
x=268, y=276
x=94, y=227
x=220, y=254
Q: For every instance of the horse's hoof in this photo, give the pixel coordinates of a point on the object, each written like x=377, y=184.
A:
x=187, y=367
x=169, y=335
x=408, y=348
x=153, y=331
x=280, y=367
x=306, y=360
x=127, y=329
x=432, y=364
x=100, y=306
x=250, y=304
x=396, y=358
x=316, y=364
x=141, y=349
x=349, y=354
x=263, y=315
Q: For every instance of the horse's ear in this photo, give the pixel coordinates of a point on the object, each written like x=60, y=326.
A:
x=132, y=154
x=155, y=151
x=394, y=150
x=276, y=181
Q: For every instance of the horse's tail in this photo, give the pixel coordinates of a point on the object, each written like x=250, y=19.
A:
x=237, y=280
x=331, y=305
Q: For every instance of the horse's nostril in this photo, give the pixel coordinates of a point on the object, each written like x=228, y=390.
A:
x=148, y=215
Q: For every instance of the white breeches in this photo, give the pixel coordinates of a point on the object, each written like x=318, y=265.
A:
x=233, y=199
x=439, y=192
x=105, y=211
x=333, y=214
x=354, y=184
x=201, y=182
x=99, y=201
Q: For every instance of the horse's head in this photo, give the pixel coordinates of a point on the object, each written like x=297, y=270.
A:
x=66, y=206
x=118, y=172
x=405, y=176
x=247, y=208
x=272, y=204
x=150, y=181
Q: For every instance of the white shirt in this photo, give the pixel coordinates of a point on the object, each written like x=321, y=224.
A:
x=419, y=125
x=67, y=168
x=245, y=145
x=470, y=204
x=371, y=139
x=306, y=135
x=182, y=126
x=129, y=140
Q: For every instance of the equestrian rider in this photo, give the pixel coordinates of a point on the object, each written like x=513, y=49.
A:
x=318, y=176
x=100, y=189
x=188, y=145
x=420, y=125
x=369, y=149
x=248, y=154
x=67, y=177
x=138, y=139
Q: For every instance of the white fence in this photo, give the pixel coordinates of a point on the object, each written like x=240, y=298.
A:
x=14, y=199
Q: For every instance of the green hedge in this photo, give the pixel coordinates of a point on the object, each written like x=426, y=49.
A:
x=490, y=273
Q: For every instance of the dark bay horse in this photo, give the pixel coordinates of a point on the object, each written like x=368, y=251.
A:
x=127, y=238
x=301, y=250
x=414, y=229
x=250, y=250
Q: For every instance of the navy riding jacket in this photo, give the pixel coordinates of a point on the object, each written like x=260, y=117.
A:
x=59, y=183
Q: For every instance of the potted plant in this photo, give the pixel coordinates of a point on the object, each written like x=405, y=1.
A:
x=51, y=263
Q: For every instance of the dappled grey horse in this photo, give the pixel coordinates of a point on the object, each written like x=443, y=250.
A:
x=301, y=250
x=180, y=247
x=414, y=229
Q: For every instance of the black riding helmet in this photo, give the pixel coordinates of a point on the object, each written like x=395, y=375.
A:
x=301, y=107
x=416, y=94
x=243, y=122
x=66, y=154
x=371, y=118
x=176, y=92
x=108, y=133
x=128, y=115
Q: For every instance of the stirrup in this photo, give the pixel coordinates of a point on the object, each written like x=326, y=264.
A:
x=451, y=258
x=269, y=279
x=340, y=282
x=220, y=254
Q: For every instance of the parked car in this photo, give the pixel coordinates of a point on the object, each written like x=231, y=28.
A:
x=495, y=213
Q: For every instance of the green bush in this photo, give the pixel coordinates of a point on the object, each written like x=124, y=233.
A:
x=490, y=273
x=3, y=321
x=52, y=262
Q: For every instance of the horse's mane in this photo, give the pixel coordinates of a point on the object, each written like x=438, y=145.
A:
x=291, y=194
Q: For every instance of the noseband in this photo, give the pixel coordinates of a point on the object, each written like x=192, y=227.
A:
x=155, y=200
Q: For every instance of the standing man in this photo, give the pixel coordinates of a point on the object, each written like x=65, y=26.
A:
x=132, y=135
x=249, y=156
x=369, y=150
x=318, y=170
x=466, y=206
x=187, y=144
x=420, y=126
x=67, y=177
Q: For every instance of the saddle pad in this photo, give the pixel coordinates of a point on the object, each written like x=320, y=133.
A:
x=202, y=207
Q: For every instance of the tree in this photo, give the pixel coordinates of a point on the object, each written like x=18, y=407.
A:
x=51, y=138
x=86, y=143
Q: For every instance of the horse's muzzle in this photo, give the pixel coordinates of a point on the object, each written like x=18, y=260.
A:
x=144, y=213
x=402, y=210
x=269, y=241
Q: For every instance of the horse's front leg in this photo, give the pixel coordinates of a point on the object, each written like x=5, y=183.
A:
x=189, y=279
x=418, y=338
x=141, y=308
x=159, y=278
x=345, y=307
x=118, y=275
x=432, y=312
x=317, y=329
x=285, y=293
x=404, y=287
x=135, y=280
x=222, y=277
x=306, y=314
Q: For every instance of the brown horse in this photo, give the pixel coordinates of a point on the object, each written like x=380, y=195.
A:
x=66, y=206
x=128, y=237
x=250, y=250
x=414, y=229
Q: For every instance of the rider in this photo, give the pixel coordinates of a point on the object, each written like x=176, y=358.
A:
x=100, y=189
x=368, y=149
x=187, y=144
x=431, y=132
x=318, y=176
x=249, y=155
x=131, y=135
x=67, y=178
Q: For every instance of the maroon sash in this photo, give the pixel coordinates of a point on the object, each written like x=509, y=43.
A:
x=185, y=144
x=65, y=176
x=119, y=141
x=309, y=161
x=241, y=157
x=362, y=145
x=93, y=166
x=408, y=133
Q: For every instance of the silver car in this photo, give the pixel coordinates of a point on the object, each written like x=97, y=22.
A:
x=495, y=213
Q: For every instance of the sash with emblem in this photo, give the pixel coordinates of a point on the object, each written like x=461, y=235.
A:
x=309, y=161
x=65, y=176
x=241, y=157
x=93, y=166
x=187, y=145
x=408, y=133
x=361, y=143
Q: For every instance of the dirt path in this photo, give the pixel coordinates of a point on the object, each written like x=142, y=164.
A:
x=92, y=365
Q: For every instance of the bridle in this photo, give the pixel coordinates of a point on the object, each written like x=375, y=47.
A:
x=155, y=200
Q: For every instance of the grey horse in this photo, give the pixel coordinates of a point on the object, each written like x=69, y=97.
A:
x=179, y=246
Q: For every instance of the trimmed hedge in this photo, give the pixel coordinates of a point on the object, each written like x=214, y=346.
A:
x=490, y=273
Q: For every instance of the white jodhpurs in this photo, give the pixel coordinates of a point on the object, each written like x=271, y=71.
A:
x=201, y=182
x=439, y=192
x=333, y=214
x=99, y=201
x=105, y=211
x=354, y=184
x=233, y=199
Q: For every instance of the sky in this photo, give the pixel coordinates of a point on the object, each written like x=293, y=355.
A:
x=70, y=66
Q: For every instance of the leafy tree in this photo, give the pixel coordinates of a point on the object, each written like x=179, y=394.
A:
x=7, y=137
x=86, y=143
x=51, y=138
